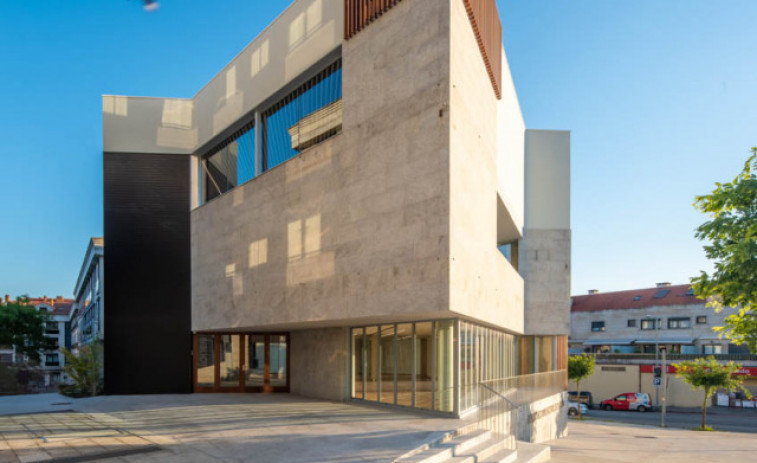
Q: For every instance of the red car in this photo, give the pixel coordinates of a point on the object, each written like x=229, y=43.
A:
x=628, y=401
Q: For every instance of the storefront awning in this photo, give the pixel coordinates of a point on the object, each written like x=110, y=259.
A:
x=609, y=342
x=666, y=341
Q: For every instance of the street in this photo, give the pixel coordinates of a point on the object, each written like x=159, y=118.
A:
x=721, y=419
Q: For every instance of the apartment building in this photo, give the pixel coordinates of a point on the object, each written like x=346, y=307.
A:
x=352, y=209
x=87, y=316
x=639, y=320
x=57, y=329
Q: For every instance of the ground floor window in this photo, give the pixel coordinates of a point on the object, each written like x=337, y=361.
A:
x=241, y=362
x=408, y=364
x=439, y=365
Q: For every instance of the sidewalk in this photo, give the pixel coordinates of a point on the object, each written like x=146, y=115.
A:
x=623, y=443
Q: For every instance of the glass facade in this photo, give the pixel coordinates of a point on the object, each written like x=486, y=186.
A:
x=231, y=164
x=306, y=116
x=434, y=365
x=302, y=118
x=485, y=354
x=219, y=358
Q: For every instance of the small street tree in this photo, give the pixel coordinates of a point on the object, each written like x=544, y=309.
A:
x=709, y=375
x=580, y=367
x=732, y=234
x=23, y=327
x=84, y=368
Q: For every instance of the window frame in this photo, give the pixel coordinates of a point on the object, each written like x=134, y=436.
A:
x=674, y=323
x=598, y=328
x=701, y=317
x=631, y=323
x=653, y=321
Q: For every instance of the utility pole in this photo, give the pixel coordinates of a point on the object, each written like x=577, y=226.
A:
x=664, y=384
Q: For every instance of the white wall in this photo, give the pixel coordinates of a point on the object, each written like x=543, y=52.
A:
x=303, y=34
x=511, y=132
x=547, y=170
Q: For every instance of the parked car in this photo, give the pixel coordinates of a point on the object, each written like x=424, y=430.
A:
x=573, y=408
x=586, y=398
x=628, y=401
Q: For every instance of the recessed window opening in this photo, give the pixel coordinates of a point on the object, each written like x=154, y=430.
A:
x=637, y=298
x=231, y=163
x=510, y=251
x=597, y=326
x=308, y=115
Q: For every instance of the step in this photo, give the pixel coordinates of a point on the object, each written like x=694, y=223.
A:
x=462, y=444
x=502, y=456
x=532, y=453
x=495, y=443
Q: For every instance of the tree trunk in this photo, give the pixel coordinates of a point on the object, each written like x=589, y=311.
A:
x=578, y=398
x=704, y=406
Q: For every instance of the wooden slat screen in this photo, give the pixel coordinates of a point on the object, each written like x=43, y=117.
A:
x=484, y=18
x=360, y=13
x=562, y=352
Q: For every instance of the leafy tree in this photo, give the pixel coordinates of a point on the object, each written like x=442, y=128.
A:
x=84, y=368
x=732, y=233
x=23, y=327
x=709, y=375
x=580, y=367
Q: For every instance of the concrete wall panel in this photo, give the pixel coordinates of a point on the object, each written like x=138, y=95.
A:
x=355, y=228
x=483, y=285
x=318, y=363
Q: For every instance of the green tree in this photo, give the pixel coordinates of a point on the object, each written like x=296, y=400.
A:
x=84, y=368
x=709, y=375
x=580, y=367
x=23, y=327
x=732, y=234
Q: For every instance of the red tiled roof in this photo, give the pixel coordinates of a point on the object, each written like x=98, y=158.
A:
x=61, y=306
x=677, y=295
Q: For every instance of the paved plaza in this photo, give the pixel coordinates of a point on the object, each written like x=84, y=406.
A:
x=209, y=427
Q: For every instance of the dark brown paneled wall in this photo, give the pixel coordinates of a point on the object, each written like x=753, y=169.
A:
x=484, y=18
x=148, y=337
x=360, y=13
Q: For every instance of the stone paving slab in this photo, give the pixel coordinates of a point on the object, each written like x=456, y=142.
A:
x=220, y=427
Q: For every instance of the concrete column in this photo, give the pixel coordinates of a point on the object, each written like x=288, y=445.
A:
x=445, y=370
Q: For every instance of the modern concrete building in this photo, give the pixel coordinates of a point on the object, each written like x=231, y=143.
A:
x=87, y=317
x=352, y=209
x=638, y=320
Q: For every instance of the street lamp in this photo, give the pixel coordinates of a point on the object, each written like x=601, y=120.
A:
x=656, y=353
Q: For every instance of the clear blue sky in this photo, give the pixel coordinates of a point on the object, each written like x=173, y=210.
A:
x=660, y=97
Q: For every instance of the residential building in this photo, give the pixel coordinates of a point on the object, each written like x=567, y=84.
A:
x=626, y=329
x=637, y=320
x=87, y=318
x=57, y=329
x=352, y=209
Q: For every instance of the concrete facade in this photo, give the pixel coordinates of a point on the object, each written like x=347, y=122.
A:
x=397, y=215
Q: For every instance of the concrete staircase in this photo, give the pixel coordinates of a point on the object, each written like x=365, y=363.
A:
x=476, y=446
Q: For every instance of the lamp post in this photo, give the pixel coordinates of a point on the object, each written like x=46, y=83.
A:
x=656, y=322
x=664, y=383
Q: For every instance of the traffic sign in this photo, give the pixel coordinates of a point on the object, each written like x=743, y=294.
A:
x=657, y=382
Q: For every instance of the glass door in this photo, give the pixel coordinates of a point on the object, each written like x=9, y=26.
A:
x=241, y=362
x=267, y=363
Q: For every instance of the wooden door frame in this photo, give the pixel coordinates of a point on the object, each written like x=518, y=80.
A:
x=242, y=387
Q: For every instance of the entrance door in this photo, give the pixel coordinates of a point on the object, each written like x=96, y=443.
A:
x=267, y=363
x=264, y=361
